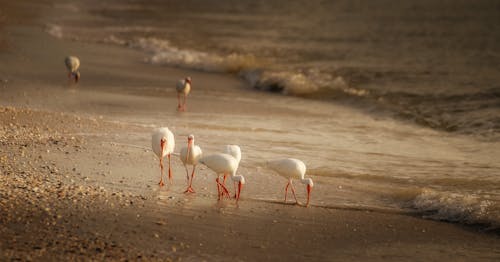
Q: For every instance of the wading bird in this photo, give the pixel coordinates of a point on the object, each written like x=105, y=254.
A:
x=189, y=156
x=224, y=164
x=163, y=144
x=291, y=168
x=183, y=88
x=72, y=64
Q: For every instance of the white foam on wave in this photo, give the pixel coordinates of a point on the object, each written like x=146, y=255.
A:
x=54, y=30
x=301, y=83
x=454, y=207
x=164, y=53
x=261, y=75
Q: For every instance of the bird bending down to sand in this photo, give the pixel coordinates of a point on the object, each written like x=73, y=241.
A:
x=189, y=156
x=72, y=64
x=183, y=88
x=291, y=168
x=224, y=164
x=163, y=144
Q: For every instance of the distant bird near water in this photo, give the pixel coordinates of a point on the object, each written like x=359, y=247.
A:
x=163, y=144
x=291, y=168
x=183, y=88
x=224, y=164
x=72, y=64
x=189, y=156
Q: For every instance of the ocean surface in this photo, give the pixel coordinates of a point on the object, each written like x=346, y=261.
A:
x=431, y=66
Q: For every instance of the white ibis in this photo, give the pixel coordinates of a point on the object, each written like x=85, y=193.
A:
x=72, y=64
x=163, y=144
x=224, y=164
x=292, y=168
x=189, y=156
x=183, y=88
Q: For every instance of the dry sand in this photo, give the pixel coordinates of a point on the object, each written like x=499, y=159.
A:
x=74, y=186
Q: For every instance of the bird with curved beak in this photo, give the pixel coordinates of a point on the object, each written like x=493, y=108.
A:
x=163, y=144
x=189, y=156
x=72, y=64
x=224, y=164
x=183, y=88
x=291, y=168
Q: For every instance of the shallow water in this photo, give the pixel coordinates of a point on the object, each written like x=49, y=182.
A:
x=369, y=69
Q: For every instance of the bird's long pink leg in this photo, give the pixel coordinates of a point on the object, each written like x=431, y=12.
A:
x=187, y=174
x=179, y=102
x=286, y=190
x=169, y=170
x=192, y=177
x=226, y=191
x=218, y=188
x=293, y=191
x=223, y=188
x=190, y=185
x=184, y=103
x=161, y=172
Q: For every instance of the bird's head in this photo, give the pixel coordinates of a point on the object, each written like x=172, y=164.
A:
x=309, y=182
x=188, y=79
x=163, y=141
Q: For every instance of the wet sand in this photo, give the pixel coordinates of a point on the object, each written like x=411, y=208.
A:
x=79, y=181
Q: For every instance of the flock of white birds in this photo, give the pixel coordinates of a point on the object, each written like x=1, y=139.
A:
x=223, y=164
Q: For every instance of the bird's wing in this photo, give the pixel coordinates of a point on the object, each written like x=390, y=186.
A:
x=72, y=63
x=180, y=85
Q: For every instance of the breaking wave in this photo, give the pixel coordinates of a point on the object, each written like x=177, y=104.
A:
x=454, y=207
x=163, y=53
x=256, y=72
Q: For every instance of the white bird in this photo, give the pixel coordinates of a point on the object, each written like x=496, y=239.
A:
x=292, y=168
x=72, y=64
x=189, y=156
x=183, y=88
x=163, y=144
x=224, y=164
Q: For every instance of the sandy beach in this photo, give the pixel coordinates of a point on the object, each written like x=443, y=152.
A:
x=78, y=180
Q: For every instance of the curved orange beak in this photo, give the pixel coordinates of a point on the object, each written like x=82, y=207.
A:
x=163, y=141
x=240, y=186
x=190, y=144
x=309, y=189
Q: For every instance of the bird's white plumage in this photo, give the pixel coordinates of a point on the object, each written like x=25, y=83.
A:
x=224, y=164
x=292, y=168
x=158, y=134
x=183, y=86
x=288, y=167
x=194, y=155
x=234, y=151
x=220, y=163
x=72, y=63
